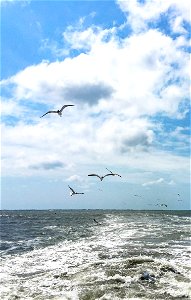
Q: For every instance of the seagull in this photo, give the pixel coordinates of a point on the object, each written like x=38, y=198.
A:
x=114, y=174
x=59, y=112
x=101, y=177
x=179, y=197
x=96, y=222
x=73, y=192
x=162, y=204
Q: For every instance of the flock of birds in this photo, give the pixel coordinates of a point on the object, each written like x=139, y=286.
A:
x=72, y=192
x=95, y=175
x=101, y=177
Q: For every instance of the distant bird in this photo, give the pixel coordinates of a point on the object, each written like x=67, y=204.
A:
x=59, y=112
x=137, y=195
x=113, y=174
x=162, y=205
x=96, y=222
x=73, y=192
x=100, y=177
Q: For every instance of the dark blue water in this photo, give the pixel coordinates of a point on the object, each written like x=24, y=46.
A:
x=65, y=254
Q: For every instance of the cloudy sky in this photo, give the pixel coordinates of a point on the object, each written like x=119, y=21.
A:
x=124, y=65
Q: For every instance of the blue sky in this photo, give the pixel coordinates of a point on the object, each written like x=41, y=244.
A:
x=124, y=65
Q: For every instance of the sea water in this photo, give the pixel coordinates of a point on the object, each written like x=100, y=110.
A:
x=65, y=254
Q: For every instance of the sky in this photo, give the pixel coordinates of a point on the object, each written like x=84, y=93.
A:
x=124, y=65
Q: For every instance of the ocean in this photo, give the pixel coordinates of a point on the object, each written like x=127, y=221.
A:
x=95, y=254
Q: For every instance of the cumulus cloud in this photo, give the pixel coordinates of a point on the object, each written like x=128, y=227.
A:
x=89, y=93
x=79, y=38
x=118, y=85
x=139, y=14
x=47, y=165
x=158, y=181
x=75, y=178
x=134, y=74
x=125, y=135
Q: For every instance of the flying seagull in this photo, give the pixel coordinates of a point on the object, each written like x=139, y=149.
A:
x=73, y=192
x=113, y=174
x=59, y=112
x=179, y=197
x=162, y=205
x=100, y=177
x=96, y=222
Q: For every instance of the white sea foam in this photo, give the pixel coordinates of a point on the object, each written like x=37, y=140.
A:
x=106, y=263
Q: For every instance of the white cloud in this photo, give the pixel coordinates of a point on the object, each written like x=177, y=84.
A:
x=75, y=178
x=84, y=39
x=158, y=181
x=177, y=25
x=139, y=14
x=134, y=74
x=117, y=86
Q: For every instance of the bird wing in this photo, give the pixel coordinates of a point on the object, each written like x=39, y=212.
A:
x=108, y=175
x=109, y=171
x=95, y=175
x=64, y=106
x=71, y=189
x=48, y=112
x=114, y=174
x=80, y=193
x=117, y=175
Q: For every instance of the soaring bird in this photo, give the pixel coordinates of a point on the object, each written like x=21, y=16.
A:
x=96, y=222
x=73, y=192
x=162, y=205
x=100, y=177
x=59, y=112
x=113, y=174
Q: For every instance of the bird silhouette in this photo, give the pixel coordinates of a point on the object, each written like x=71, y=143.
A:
x=96, y=222
x=59, y=112
x=100, y=177
x=73, y=192
x=113, y=174
x=162, y=205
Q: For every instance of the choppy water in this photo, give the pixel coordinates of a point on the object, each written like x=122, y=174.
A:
x=66, y=255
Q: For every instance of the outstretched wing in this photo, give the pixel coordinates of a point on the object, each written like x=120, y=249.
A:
x=71, y=189
x=48, y=112
x=114, y=174
x=109, y=171
x=95, y=175
x=64, y=106
x=80, y=193
x=107, y=175
x=118, y=175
